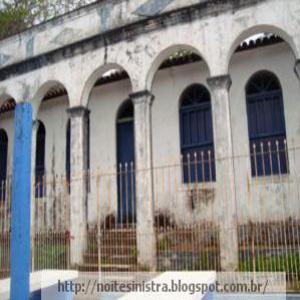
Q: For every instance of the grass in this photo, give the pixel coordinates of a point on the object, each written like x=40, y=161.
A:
x=51, y=256
x=281, y=262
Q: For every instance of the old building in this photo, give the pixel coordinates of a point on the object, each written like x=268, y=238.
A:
x=165, y=114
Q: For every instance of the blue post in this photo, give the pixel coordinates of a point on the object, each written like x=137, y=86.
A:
x=20, y=224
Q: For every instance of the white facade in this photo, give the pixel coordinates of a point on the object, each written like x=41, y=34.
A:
x=105, y=100
x=77, y=53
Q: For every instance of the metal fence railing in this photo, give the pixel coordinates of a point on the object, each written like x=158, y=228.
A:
x=50, y=229
x=5, y=207
x=189, y=212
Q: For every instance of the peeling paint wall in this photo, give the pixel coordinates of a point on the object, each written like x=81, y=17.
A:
x=168, y=85
x=141, y=49
x=85, y=22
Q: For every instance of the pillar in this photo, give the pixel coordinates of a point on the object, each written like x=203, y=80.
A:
x=78, y=195
x=146, y=242
x=20, y=223
x=225, y=182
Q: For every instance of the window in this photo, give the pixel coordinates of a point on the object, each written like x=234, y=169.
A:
x=3, y=163
x=196, y=131
x=40, y=161
x=266, y=125
x=68, y=156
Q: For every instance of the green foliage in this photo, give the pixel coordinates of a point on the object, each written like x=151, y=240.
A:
x=51, y=256
x=17, y=15
x=281, y=262
x=134, y=252
x=12, y=19
x=164, y=244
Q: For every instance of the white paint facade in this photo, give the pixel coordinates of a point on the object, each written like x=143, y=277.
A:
x=105, y=100
x=213, y=31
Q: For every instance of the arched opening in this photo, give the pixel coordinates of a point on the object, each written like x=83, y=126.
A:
x=196, y=135
x=3, y=163
x=182, y=67
x=40, y=160
x=99, y=88
x=266, y=125
x=7, y=107
x=175, y=55
x=105, y=89
x=108, y=73
x=125, y=161
x=50, y=103
x=259, y=36
x=259, y=40
x=52, y=206
x=257, y=104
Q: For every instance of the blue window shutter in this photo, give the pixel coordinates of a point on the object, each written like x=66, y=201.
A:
x=40, y=161
x=196, y=131
x=88, y=178
x=266, y=125
x=68, y=156
x=88, y=143
x=3, y=163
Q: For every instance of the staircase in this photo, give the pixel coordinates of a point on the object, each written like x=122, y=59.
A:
x=118, y=251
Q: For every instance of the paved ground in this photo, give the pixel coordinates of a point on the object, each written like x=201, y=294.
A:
x=267, y=297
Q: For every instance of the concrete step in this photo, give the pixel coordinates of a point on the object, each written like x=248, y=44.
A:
x=113, y=249
x=117, y=233
x=107, y=267
x=88, y=267
x=110, y=259
x=112, y=240
x=118, y=251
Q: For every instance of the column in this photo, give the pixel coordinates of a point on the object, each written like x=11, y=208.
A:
x=225, y=183
x=78, y=196
x=146, y=241
x=20, y=231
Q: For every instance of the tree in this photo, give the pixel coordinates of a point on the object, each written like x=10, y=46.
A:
x=17, y=15
x=12, y=19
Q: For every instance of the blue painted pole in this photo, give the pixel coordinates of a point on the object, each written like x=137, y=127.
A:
x=20, y=223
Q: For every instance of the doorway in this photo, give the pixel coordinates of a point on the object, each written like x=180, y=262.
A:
x=125, y=167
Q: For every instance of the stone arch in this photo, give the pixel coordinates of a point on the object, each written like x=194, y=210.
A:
x=262, y=28
x=165, y=54
x=41, y=92
x=94, y=76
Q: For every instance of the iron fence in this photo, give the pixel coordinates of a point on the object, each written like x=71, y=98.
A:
x=189, y=212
